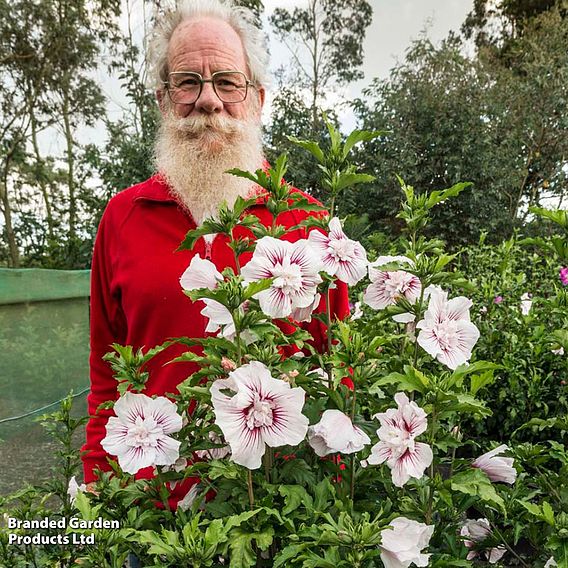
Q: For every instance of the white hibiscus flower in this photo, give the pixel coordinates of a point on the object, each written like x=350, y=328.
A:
x=387, y=287
x=341, y=256
x=201, y=273
x=397, y=446
x=335, y=433
x=138, y=434
x=263, y=411
x=295, y=268
x=446, y=331
x=402, y=542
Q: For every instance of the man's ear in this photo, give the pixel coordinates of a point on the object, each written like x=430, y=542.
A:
x=161, y=98
x=261, y=98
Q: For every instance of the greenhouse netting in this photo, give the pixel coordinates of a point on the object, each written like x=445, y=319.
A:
x=44, y=347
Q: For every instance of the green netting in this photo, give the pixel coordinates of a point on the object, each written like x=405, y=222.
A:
x=44, y=347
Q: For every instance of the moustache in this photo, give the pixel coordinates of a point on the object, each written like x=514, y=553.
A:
x=199, y=125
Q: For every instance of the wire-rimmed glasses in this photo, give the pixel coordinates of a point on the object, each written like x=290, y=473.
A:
x=185, y=87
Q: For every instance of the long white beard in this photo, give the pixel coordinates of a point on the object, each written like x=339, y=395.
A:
x=193, y=154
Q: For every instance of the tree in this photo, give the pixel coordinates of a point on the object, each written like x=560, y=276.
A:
x=493, y=23
x=49, y=49
x=325, y=41
x=454, y=119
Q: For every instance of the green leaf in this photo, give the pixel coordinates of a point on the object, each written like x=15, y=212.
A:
x=480, y=381
x=294, y=496
x=412, y=380
x=436, y=197
x=558, y=216
x=324, y=493
x=291, y=551
x=548, y=513
x=240, y=543
x=312, y=147
x=256, y=287
x=476, y=483
x=359, y=136
x=348, y=179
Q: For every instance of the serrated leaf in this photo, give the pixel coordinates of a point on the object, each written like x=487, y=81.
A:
x=476, y=483
x=294, y=496
x=312, y=147
x=548, y=513
x=480, y=381
x=348, y=179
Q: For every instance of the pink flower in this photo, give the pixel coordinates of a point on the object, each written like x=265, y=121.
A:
x=564, y=275
x=397, y=446
x=138, y=435
x=228, y=364
x=446, y=332
x=496, y=467
x=341, y=257
x=295, y=269
x=497, y=299
x=387, y=287
x=335, y=433
x=200, y=273
x=263, y=411
x=476, y=532
x=402, y=542
x=214, y=453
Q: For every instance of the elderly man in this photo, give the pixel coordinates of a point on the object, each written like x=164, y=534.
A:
x=210, y=64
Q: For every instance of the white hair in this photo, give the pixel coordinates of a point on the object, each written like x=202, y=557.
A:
x=241, y=19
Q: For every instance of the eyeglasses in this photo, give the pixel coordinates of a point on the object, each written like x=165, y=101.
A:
x=184, y=87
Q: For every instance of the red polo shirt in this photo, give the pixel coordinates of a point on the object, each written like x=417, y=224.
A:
x=136, y=297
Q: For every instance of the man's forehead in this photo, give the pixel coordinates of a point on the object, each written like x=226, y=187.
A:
x=206, y=37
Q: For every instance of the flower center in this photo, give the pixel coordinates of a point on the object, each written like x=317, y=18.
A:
x=342, y=249
x=259, y=414
x=288, y=277
x=446, y=335
x=145, y=432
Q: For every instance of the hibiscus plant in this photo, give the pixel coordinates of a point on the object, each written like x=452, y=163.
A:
x=351, y=451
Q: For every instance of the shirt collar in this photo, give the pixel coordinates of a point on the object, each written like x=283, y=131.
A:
x=155, y=189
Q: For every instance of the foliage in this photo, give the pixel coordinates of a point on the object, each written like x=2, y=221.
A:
x=306, y=511
x=449, y=118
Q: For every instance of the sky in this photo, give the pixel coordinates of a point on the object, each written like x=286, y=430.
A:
x=395, y=25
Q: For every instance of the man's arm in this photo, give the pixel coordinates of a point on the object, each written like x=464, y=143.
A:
x=107, y=326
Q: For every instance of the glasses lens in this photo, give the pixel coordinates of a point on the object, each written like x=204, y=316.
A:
x=184, y=87
x=230, y=86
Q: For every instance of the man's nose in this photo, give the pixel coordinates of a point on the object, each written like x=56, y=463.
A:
x=208, y=101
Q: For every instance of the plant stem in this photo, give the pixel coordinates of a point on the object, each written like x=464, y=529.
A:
x=237, y=264
x=328, y=333
x=163, y=497
x=431, y=486
x=511, y=550
x=268, y=462
x=418, y=314
x=250, y=489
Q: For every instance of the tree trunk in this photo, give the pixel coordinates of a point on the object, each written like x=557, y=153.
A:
x=14, y=260
x=70, y=163
x=41, y=179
